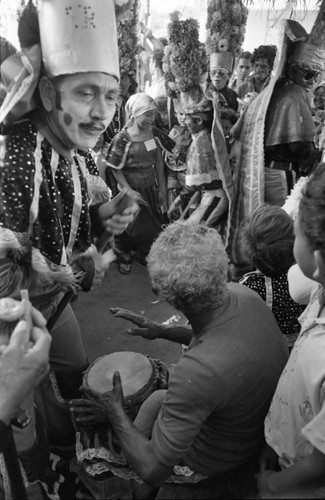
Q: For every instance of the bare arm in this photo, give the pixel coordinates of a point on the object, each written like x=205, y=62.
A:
x=309, y=471
x=151, y=330
x=137, y=448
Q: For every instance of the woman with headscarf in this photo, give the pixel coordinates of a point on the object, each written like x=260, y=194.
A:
x=136, y=158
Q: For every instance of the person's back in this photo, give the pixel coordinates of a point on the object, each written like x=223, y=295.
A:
x=224, y=384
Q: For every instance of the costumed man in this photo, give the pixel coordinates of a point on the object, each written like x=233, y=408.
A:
x=204, y=172
x=278, y=130
x=205, y=432
x=221, y=67
x=226, y=24
x=61, y=97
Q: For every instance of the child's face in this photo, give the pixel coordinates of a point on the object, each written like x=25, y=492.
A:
x=226, y=126
x=146, y=120
x=181, y=118
x=303, y=252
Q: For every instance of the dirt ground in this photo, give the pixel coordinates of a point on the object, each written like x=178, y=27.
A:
x=103, y=334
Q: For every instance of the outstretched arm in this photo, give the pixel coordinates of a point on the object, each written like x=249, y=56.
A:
x=151, y=330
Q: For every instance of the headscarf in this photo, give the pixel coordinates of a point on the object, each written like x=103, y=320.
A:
x=138, y=104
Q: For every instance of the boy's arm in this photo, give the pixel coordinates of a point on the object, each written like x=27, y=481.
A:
x=308, y=472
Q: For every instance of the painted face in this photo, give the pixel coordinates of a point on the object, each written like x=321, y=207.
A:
x=261, y=69
x=226, y=126
x=303, y=252
x=244, y=68
x=304, y=78
x=146, y=120
x=192, y=124
x=319, y=98
x=84, y=107
x=124, y=85
x=181, y=117
x=219, y=78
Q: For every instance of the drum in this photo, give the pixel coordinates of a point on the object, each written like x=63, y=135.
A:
x=140, y=376
x=98, y=459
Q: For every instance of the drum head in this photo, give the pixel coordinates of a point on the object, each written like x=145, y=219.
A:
x=135, y=370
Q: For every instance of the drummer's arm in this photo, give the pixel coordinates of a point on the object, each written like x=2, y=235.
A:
x=137, y=448
x=152, y=330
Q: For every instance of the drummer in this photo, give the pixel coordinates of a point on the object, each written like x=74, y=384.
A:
x=211, y=418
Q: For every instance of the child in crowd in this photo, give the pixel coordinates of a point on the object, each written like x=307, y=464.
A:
x=176, y=161
x=294, y=427
x=162, y=121
x=202, y=171
x=267, y=239
x=228, y=119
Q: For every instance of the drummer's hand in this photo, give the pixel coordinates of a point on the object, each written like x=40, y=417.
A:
x=89, y=411
x=148, y=329
x=97, y=411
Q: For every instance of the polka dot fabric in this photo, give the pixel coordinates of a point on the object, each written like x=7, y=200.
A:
x=39, y=199
x=285, y=310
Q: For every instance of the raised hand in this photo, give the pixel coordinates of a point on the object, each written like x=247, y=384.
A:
x=148, y=329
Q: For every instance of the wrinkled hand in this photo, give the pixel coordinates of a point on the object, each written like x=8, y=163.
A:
x=100, y=410
x=148, y=329
x=23, y=363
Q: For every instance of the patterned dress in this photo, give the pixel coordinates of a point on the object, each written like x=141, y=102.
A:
x=137, y=160
x=275, y=292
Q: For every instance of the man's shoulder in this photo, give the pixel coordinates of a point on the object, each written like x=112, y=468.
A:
x=242, y=291
x=20, y=144
x=23, y=130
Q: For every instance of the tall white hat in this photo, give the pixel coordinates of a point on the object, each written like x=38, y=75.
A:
x=78, y=36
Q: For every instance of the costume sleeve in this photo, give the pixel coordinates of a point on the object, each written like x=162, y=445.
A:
x=165, y=141
x=118, y=151
x=191, y=397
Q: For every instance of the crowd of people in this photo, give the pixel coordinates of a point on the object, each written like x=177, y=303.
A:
x=220, y=194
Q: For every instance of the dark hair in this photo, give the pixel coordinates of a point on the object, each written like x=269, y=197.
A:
x=206, y=117
x=161, y=102
x=267, y=52
x=246, y=55
x=312, y=209
x=267, y=239
x=229, y=114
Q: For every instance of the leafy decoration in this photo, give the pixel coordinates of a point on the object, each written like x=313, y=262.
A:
x=226, y=25
x=122, y=8
x=185, y=60
x=127, y=40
